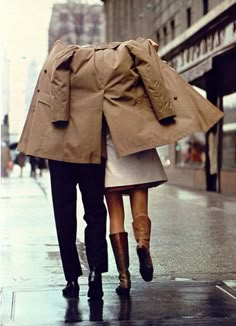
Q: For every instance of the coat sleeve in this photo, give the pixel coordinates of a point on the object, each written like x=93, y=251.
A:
x=150, y=73
x=60, y=88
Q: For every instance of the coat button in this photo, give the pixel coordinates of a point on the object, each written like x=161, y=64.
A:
x=45, y=71
x=38, y=90
x=175, y=97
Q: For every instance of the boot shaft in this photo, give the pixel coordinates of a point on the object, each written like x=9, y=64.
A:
x=120, y=247
x=142, y=230
x=119, y=243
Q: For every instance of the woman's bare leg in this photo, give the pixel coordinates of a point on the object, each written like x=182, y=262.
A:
x=139, y=202
x=116, y=212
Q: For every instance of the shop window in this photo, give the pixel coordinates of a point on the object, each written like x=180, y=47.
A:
x=229, y=132
x=190, y=151
x=63, y=17
x=189, y=18
x=172, y=26
x=205, y=6
x=79, y=21
x=158, y=37
x=165, y=35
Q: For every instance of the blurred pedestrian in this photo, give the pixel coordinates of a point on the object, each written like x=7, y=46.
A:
x=41, y=165
x=20, y=160
x=6, y=160
x=33, y=166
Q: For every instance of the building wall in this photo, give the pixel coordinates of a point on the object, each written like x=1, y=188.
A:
x=203, y=54
x=128, y=19
x=77, y=23
x=171, y=16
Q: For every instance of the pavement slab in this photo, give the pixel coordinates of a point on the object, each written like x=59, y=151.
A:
x=153, y=303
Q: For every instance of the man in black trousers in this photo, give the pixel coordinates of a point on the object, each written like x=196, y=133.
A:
x=90, y=179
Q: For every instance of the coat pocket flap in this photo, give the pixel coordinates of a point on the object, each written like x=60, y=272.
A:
x=44, y=98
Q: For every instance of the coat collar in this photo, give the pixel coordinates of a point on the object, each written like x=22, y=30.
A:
x=103, y=46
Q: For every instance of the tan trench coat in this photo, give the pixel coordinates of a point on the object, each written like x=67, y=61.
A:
x=126, y=83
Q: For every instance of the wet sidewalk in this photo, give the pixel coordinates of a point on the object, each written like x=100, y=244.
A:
x=193, y=249
x=156, y=303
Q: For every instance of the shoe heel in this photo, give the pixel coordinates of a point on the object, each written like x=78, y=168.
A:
x=95, y=286
x=123, y=292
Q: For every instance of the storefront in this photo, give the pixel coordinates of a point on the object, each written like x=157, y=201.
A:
x=205, y=57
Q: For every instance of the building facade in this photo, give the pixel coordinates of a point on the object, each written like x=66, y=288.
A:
x=198, y=39
x=128, y=19
x=75, y=22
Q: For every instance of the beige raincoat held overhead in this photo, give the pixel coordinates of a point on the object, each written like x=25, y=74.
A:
x=128, y=84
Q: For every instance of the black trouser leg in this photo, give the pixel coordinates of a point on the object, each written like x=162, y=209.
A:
x=91, y=183
x=63, y=185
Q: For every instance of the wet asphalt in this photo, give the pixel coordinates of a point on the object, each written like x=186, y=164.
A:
x=193, y=250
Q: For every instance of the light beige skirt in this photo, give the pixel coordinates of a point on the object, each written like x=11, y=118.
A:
x=143, y=169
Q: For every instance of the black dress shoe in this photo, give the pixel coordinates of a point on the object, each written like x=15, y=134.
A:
x=71, y=290
x=95, y=285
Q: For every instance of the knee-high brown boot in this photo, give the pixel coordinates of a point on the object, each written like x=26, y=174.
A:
x=142, y=230
x=119, y=243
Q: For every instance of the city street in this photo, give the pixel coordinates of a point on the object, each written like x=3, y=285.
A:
x=83, y=79
x=192, y=246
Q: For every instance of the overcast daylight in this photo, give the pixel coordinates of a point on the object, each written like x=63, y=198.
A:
x=24, y=26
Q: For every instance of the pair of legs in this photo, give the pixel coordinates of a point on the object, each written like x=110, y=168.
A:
x=64, y=180
x=119, y=238
x=138, y=204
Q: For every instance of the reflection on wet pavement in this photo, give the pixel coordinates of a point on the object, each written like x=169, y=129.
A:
x=156, y=301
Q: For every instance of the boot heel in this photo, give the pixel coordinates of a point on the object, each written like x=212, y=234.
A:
x=95, y=285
